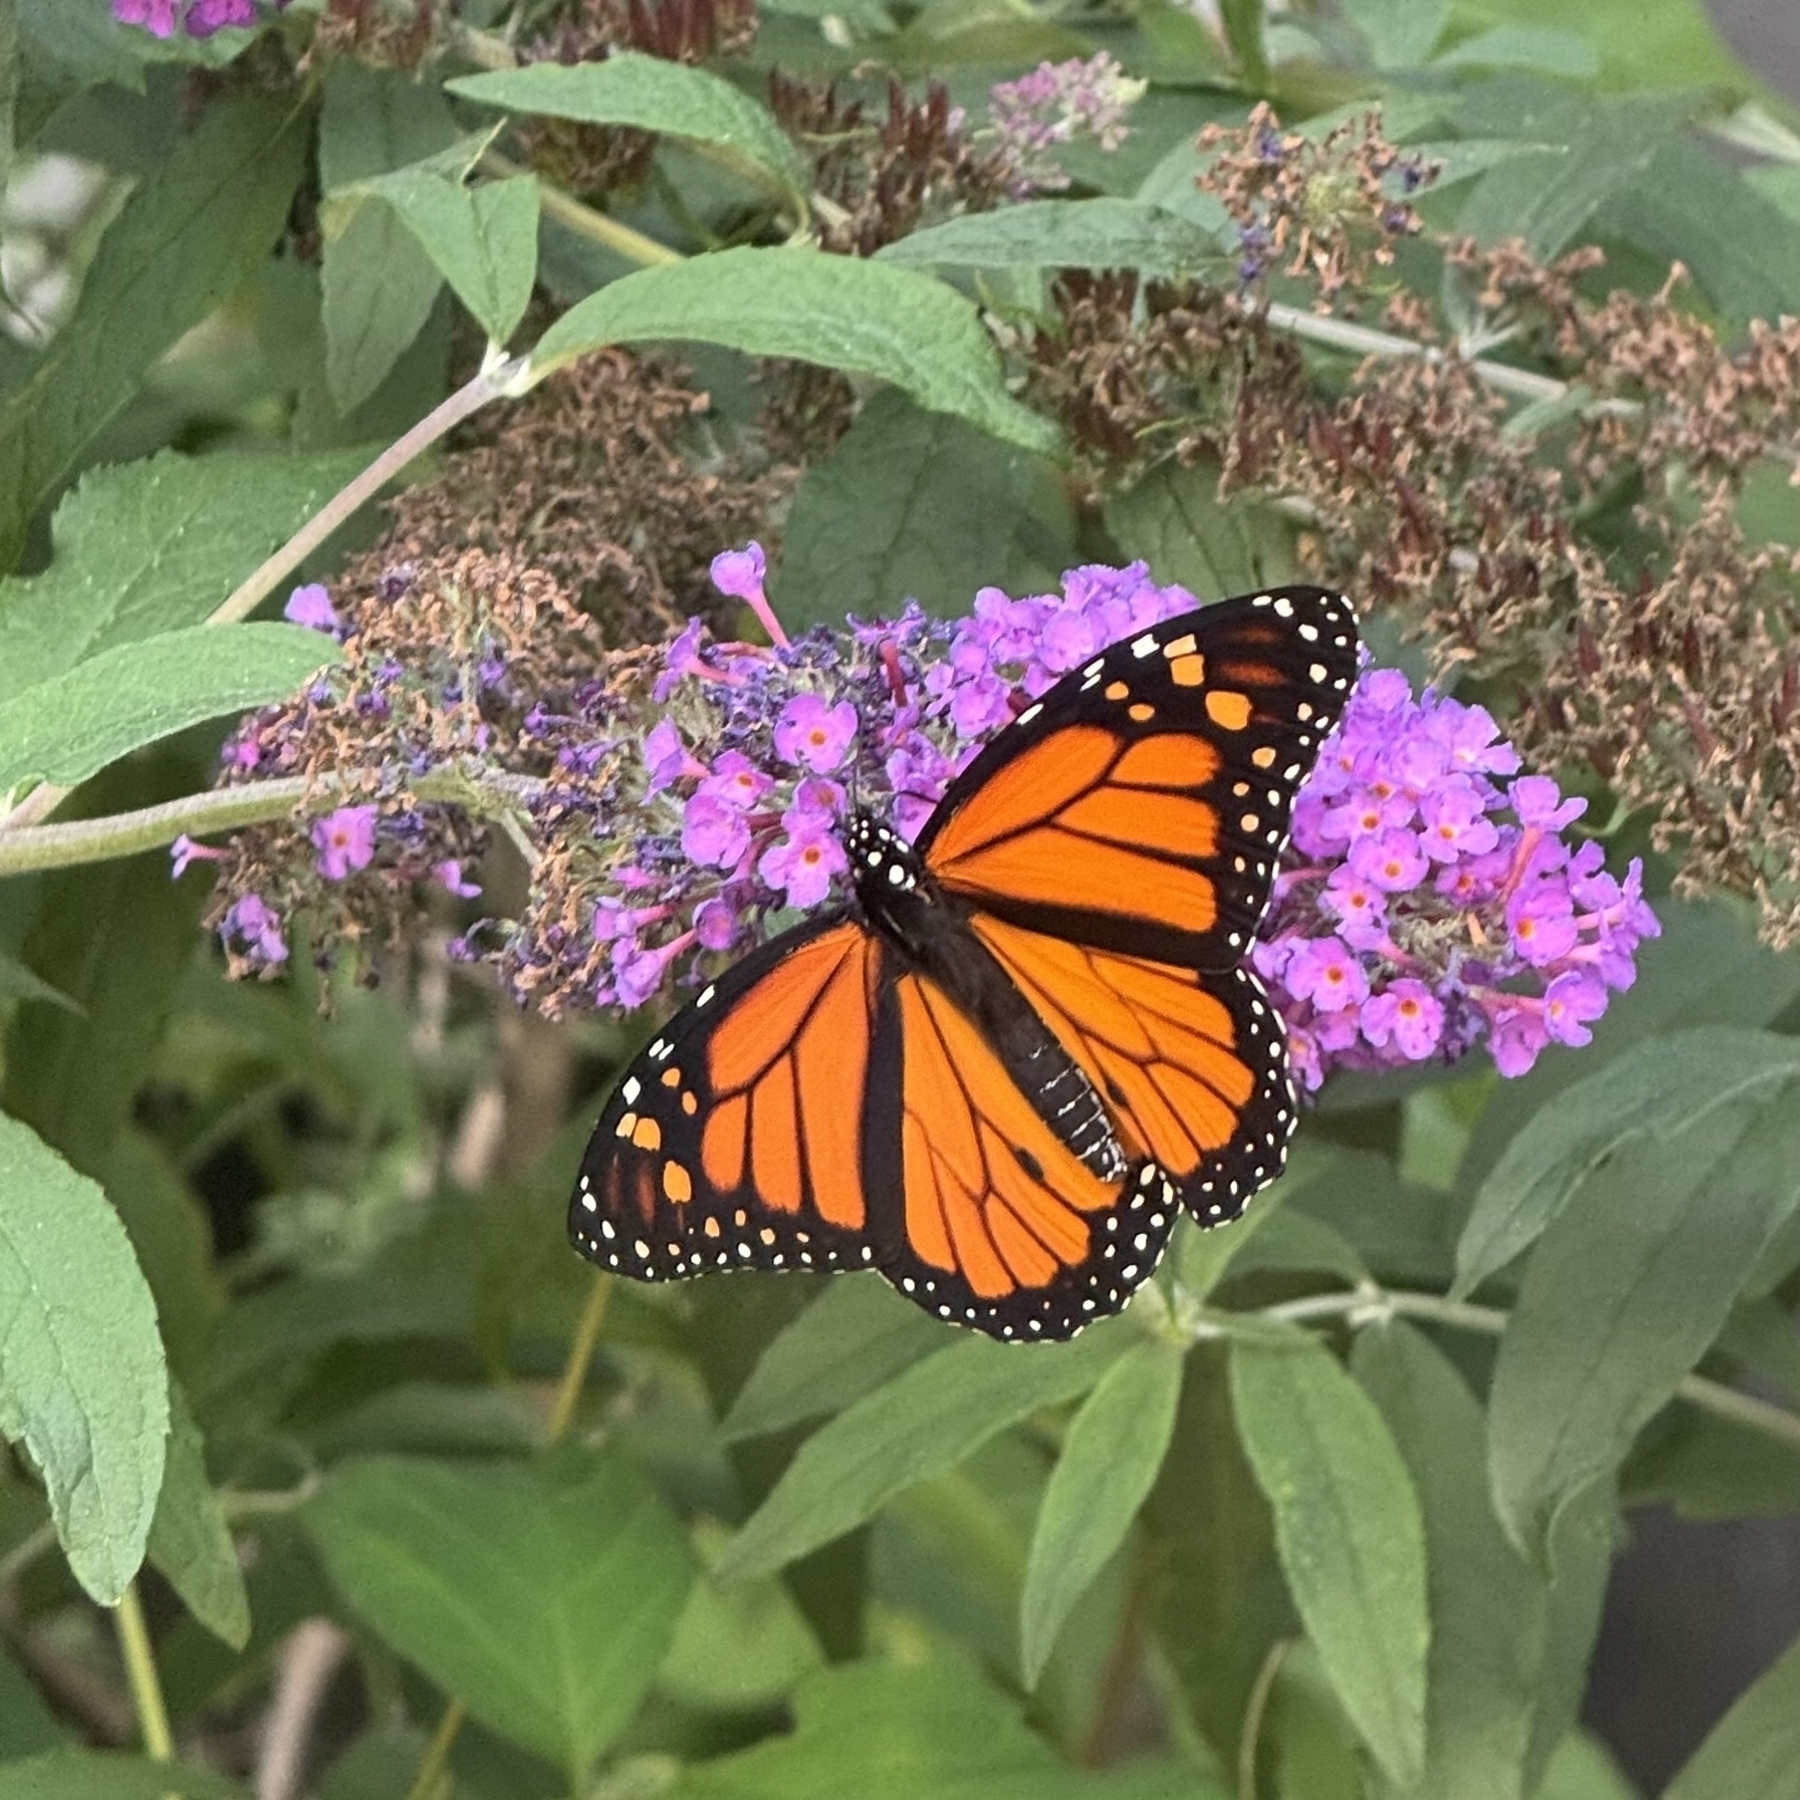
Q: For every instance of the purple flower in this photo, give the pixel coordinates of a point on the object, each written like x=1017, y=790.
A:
x=1571, y=1003
x=1391, y=860
x=207, y=16
x=1456, y=823
x=1541, y=921
x=185, y=851
x=800, y=864
x=345, y=840
x=667, y=758
x=812, y=734
x=713, y=831
x=736, y=780
x=740, y=573
x=1054, y=104
x=716, y=924
x=253, y=928
x=1539, y=804
x=1323, y=971
x=1407, y=1013
x=1516, y=1038
x=449, y=876
x=156, y=16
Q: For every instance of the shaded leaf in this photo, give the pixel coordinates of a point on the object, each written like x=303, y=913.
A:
x=1110, y=1457
x=1104, y=233
x=855, y=1336
x=1173, y=519
x=102, y=1775
x=917, y=505
x=1399, y=33
x=1350, y=1534
x=192, y=233
x=544, y=1594
x=27, y=1725
x=147, y=547
x=655, y=95
x=1753, y=1753
x=17, y=982
x=1630, y=1283
x=82, y=1384
x=71, y=726
x=865, y=318
x=919, y=1424
x=1541, y=49
x=1672, y=44
x=189, y=1541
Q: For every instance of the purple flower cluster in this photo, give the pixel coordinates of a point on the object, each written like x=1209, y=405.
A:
x=198, y=18
x=1430, y=901
x=1055, y=104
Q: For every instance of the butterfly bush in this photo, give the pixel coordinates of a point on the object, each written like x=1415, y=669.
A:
x=198, y=18
x=683, y=801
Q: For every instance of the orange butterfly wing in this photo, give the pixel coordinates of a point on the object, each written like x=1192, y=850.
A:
x=1141, y=805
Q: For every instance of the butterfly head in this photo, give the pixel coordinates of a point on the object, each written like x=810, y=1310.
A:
x=881, y=860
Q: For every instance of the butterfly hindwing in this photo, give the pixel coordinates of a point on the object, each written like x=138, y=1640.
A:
x=1141, y=804
x=734, y=1139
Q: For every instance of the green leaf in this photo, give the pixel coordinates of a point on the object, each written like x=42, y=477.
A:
x=1659, y=1087
x=191, y=234
x=102, y=1775
x=71, y=726
x=1671, y=44
x=18, y=983
x=379, y=285
x=83, y=1386
x=1496, y=1623
x=1174, y=520
x=919, y=1424
x=1753, y=1753
x=1583, y=1769
x=543, y=1594
x=189, y=1540
x=1110, y=1456
x=856, y=1335
x=27, y=1725
x=865, y=318
x=1540, y=49
x=1350, y=1534
x=1399, y=33
x=1243, y=22
x=884, y=1731
x=654, y=95
x=1061, y=234
x=919, y=505
x=1630, y=1283
x=146, y=547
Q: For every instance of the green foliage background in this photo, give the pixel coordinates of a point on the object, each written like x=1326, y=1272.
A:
x=1328, y=1516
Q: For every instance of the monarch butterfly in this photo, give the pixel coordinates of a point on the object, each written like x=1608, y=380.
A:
x=1029, y=1038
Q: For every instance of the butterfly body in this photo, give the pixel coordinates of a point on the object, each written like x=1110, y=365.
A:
x=1028, y=1041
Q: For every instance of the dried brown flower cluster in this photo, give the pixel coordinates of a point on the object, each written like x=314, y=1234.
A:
x=602, y=478
x=594, y=160
x=391, y=34
x=1587, y=560
x=1334, y=208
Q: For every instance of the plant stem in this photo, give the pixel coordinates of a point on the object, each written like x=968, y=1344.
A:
x=584, y=221
x=25, y=848
x=581, y=1354
x=1261, y=1691
x=1369, y=1304
x=437, y=1753
x=140, y=1670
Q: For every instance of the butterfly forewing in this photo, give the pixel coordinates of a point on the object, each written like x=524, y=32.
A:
x=1141, y=805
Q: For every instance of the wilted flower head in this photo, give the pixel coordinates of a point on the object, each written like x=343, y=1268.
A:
x=1056, y=104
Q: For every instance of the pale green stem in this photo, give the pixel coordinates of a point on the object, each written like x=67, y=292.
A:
x=140, y=1671
x=1370, y=1304
x=584, y=221
x=1261, y=1691
x=581, y=1354
x=24, y=849
x=437, y=1753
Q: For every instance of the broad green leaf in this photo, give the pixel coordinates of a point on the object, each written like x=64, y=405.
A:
x=1753, y=1753
x=1629, y=1284
x=654, y=95
x=1243, y=22
x=1173, y=519
x=919, y=1424
x=1399, y=1228
x=1583, y=1769
x=1705, y=1467
x=543, y=1594
x=189, y=1541
x=1399, y=33
x=1548, y=198
x=102, y=1775
x=146, y=547
x=1061, y=234
x=1659, y=1087
x=1740, y=247
x=884, y=1731
x=191, y=234
x=1494, y=1619
x=917, y=505
x=1540, y=49
x=865, y=318
x=857, y=1334
x=1350, y=1533
x=17, y=982
x=1670, y=45
x=83, y=1386
x=71, y=726
x=379, y=285
x=27, y=1725
x=1110, y=1457
x=482, y=239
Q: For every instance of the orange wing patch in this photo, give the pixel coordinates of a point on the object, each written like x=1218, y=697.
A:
x=991, y=1194
x=1167, y=1055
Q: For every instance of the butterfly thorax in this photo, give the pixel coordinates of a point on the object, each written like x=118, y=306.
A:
x=929, y=929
